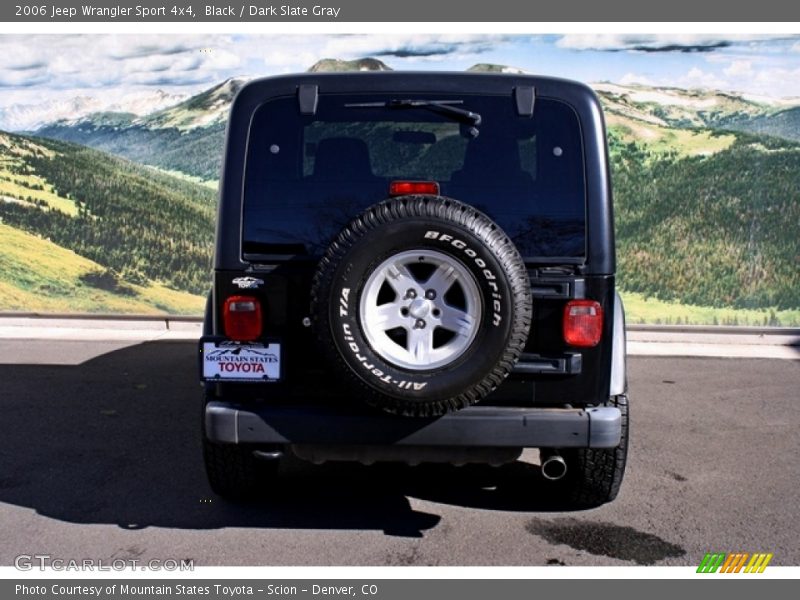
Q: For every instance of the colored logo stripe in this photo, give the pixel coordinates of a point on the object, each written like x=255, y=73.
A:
x=711, y=562
x=733, y=562
x=758, y=563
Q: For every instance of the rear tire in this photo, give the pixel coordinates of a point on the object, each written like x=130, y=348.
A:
x=594, y=475
x=234, y=472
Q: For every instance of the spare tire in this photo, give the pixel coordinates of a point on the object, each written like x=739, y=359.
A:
x=424, y=303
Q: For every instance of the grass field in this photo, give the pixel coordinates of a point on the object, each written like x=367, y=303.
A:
x=661, y=140
x=27, y=188
x=639, y=309
x=39, y=276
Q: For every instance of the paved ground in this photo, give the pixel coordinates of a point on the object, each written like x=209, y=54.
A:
x=100, y=458
x=643, y=340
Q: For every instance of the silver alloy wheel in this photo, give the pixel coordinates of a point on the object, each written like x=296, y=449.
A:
x=433, y=316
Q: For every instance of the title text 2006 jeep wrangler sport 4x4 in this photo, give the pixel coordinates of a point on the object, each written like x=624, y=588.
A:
x=415, y=267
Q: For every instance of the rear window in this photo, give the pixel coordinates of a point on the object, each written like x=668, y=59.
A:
x=307, y=176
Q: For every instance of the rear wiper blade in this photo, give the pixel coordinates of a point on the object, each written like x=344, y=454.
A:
x=444, y=107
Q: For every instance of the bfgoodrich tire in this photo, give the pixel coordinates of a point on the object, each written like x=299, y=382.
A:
x=424, y=303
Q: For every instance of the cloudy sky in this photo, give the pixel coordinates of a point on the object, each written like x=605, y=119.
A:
x=41, y=68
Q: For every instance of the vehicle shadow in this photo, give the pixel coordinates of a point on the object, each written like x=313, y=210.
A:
x=116, y=440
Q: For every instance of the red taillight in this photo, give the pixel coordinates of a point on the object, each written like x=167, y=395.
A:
x=241, y=316
x=583, y=323
x=404, y=188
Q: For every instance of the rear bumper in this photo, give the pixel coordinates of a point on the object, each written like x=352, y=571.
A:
x=476, y=426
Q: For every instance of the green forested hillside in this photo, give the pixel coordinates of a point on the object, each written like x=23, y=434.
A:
x=785, y=124
x=196, y=152
x=140, y=226
x=719, y=230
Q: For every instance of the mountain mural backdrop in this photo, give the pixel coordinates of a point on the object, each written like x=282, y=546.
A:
x=113, y=211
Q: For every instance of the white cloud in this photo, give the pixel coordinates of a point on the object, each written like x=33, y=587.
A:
x=786, y=80
x=222, y=58
x=288, y=58
x=635, y=78
x=653, y=42
x=739, y=68
x=22, y=79
x=411, y=45
x=697, y=78
x=301, y=53
x=44, y=67
x=738, y=77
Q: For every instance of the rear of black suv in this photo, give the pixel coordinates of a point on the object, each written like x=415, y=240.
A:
x=415, y=267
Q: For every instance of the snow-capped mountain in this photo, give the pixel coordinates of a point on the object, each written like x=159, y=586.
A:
x=202, y=110
x=492, y=68
x=22, y=117
x=334, y=65
x=29, y=117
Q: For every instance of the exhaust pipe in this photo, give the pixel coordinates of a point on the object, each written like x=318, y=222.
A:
x=554, y=467
x=268, y=454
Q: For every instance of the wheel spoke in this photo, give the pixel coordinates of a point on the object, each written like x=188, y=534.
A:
x=419, y=309
x=457, y=321
x=420, y=344
x=387, y=316
x=399, y=277
x=442, y=279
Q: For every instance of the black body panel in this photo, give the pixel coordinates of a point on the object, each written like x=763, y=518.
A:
x=550, y=374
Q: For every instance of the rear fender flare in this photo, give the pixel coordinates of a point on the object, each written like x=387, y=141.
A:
x=619, y=374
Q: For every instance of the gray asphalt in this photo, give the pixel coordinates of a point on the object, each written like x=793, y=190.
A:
x=102, y=460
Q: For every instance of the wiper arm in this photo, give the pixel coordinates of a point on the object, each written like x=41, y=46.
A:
x=444, y=107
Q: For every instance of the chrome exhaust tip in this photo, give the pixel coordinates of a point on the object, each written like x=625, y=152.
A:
x=554, y=467
x=268, y=454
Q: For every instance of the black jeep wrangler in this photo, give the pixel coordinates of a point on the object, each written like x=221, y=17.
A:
x=415, y=267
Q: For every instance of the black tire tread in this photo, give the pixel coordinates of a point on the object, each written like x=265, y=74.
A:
x=595, y=474
x=234, y=473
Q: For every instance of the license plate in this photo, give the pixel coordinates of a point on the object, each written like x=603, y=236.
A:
x=241, y=362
